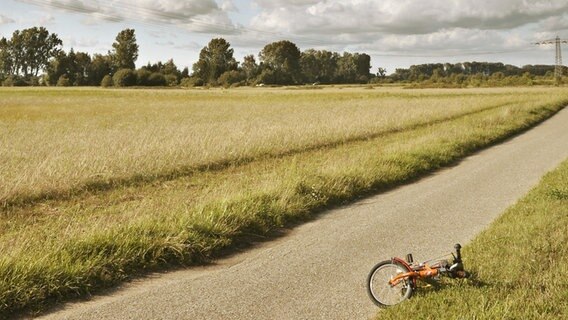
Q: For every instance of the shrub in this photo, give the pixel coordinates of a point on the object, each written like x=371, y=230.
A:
x=106, y=82
x=14, y=81
x=124, y=78
x=142, y=77
x=35, y=81
x=157, y=79
x=171, y=80
x=63, y=81
x=191, y=82
x=8, y=82
x=231, y=77
x=267, y=76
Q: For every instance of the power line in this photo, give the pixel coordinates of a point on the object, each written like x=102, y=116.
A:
x=558, y=42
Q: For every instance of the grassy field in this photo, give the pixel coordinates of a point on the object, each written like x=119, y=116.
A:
x=100, y=185
x=55, y=142
x=519, y=263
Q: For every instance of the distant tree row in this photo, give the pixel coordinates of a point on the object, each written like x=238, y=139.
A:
x=32, y=50
x=35, y=57
x=472, y=74
x=422, y=72
x=281, y=63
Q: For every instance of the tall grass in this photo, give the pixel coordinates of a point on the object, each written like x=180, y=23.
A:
x=54, y=142
x=64, y=247
x=520, y=264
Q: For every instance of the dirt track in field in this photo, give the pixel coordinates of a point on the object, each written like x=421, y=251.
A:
x=318, y=270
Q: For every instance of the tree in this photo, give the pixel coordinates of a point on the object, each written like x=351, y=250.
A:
x=538, y=70
x=5, y=58
x=82, y=64
x=58, y=66
x=363, y=63
x=185, y=72
x=283, y=58
x=319, y=65
x=101, y=66
x=214, y=60
x=125, y=50
x=310, y=65
x=171, y=72
x=71, y=70
x=170, y=68
x=75, y=66
x=250, y=68
x=328, y=65
x=347, y=68
x=41, y=46
x=28, y=51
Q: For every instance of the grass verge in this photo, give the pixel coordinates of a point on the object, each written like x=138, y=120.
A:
x=519, y=263
x=60, y=249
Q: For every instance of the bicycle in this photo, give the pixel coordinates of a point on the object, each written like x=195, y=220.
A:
x=392, y=281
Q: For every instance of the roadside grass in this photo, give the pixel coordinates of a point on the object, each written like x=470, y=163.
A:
x=62, y=248
x=519, y=264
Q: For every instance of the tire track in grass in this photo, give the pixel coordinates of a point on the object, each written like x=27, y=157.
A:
x=139, y=179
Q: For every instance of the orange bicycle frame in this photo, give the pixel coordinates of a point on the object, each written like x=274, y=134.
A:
x=426, y=272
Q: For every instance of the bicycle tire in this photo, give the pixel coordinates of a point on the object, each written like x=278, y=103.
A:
x=380, y=291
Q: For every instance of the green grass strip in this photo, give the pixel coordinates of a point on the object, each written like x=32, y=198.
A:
x=519, y=263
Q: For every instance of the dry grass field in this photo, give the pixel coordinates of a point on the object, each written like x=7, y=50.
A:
x=99, y=185
x=55, y=141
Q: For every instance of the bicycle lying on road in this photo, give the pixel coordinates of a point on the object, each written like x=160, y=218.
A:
x=393, y=281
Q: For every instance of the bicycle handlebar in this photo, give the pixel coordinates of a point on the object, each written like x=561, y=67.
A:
x=458, y=257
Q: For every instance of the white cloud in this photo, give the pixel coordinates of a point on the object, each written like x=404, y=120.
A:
x=413, y=27
x=401, y=16
x=83, y=42
x=268, y=4
x=229, y=6
x=6, y=20
x=193, y=46
x=46, y=19
x=555, y=23
x=455, y=39
x=197, y=15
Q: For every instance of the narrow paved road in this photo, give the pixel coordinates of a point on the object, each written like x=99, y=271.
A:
x=318, y=270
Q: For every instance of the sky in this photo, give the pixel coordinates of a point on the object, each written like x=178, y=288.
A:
x=395, y=33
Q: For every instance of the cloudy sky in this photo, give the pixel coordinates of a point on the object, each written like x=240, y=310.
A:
x=396, y=33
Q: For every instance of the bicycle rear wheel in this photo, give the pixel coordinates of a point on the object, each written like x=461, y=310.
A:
x=379, y=289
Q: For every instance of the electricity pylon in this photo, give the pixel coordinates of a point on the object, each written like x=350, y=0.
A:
x=558, y=42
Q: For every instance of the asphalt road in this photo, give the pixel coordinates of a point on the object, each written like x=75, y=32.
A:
x=318, y=270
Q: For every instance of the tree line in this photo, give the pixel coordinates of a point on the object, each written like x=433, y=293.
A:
x=35, y=56
x=473, y=74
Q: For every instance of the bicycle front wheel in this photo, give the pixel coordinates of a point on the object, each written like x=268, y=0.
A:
x=379, y=289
